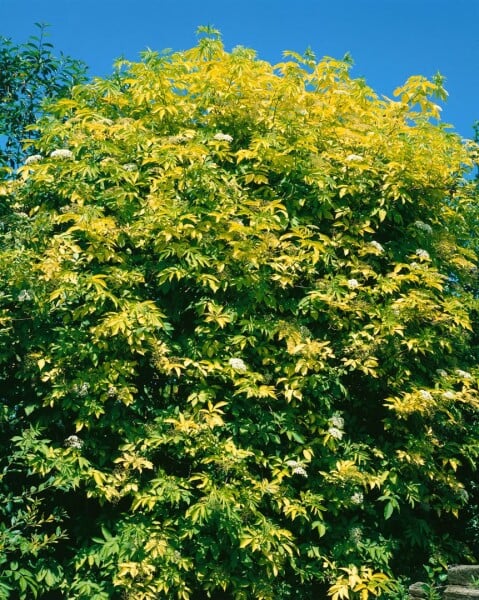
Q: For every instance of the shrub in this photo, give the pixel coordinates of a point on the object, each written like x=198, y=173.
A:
x=237, y=317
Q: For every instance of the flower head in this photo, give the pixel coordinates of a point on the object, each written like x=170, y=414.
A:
x=352, y=284
x=223, y=137
x=130, y=167
x=357, y=498
x=34, y=158
x=238, y=365
x=463, y=374
x=297, y=468
x=449, y=395
x=425, y=395
x=336, y=433
x=356, y=534
x=422, y=254
x=24, y=296
x=354, y=158
x=81, y=390
x=62, y=154
x=337, y=421
x=73, y=441
x=423, y=227
x=300, y=471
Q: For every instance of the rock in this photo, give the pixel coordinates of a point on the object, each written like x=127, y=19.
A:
x=462, y=574
x=416, y=590
x=461, y=585
x=458, y=592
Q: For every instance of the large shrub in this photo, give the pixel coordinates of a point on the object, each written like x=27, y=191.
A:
x=237, y=353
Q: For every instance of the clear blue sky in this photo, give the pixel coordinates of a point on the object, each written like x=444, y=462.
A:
x=389, y=40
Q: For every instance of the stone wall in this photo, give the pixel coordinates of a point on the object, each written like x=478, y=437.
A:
x=462, y=584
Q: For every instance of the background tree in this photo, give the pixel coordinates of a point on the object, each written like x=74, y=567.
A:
x=237, y=356
x=30, y=75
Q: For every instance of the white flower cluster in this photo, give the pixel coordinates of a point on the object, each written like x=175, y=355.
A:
x=238, y=365
x=425, y=395
x=300, y=471
x=223, y=137
x=62, y=154
x=356, y=534
x=73, y=441
x=81, y=390
x=24, y=296
x=463, y=374
x=336, y=433
x=377, y=246
x=34, y=158
x=449, y=395
x=441, y=372
x=357, y=498
x=336, y=426
x=131, y=167
x=352, y=284
x=354, y=158
x=297, y=468
x=336, y=421
x=422, y=254
x=423, y=227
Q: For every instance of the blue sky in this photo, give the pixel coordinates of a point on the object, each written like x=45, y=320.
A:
x=389, y=40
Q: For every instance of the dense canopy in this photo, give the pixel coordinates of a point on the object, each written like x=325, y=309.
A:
x=237, y=319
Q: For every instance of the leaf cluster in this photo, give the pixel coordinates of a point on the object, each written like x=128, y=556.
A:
x=31, y=75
